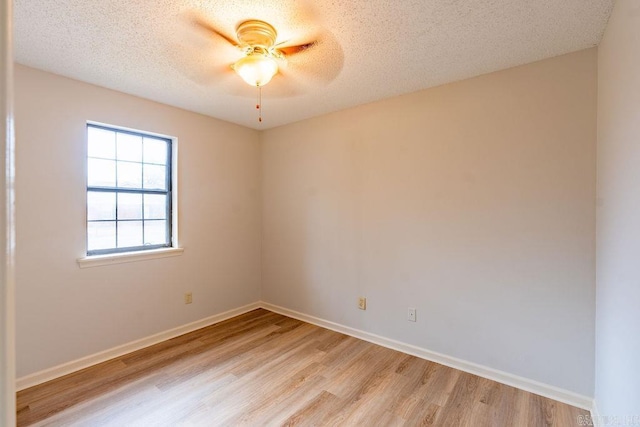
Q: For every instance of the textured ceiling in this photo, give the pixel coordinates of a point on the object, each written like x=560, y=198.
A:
x=368, y=49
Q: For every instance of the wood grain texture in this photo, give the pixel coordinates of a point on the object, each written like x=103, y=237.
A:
x=262, y=368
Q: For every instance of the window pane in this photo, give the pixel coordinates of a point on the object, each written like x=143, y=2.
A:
x=155, y=177
x=155, y=232
x=101, y=235
x=129, y=206
x=129, y=234
x=101, y=206
x=129, y=175
x=101, y=173
x=155, y=151
x=129, y=147
x=102, y=143
x=126, y=165
x=155, y=206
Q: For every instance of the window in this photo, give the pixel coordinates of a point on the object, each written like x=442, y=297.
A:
x=128, y=191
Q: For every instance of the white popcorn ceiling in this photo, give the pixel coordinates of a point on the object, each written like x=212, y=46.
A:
x=368, y=49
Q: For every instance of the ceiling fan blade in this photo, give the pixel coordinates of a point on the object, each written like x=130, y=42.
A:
x=204, y=70
x=292, y=50
x=204, y=25
x=319, y=64
x=283, y=85
x=199, y=58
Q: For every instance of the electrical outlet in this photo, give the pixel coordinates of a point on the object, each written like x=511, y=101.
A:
x=188, y=298
x=411, y=314
x=362, y=303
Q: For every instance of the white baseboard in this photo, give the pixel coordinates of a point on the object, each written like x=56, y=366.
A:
x=595, y=414
x=93, y=359
x=526, y=384
x=522, y=383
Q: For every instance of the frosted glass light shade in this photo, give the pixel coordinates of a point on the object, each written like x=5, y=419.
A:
x=256, y=69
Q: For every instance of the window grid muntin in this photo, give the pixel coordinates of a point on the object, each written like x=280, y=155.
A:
x=167, y=192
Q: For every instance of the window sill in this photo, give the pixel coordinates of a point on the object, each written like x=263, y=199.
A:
x=99, y=260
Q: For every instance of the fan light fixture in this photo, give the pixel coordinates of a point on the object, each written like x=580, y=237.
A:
x=261, y=55
x=256, y=69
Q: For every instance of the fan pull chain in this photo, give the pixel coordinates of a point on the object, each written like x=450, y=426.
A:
x=259, y=104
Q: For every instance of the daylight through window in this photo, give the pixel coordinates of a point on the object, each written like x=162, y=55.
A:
x=128, y=191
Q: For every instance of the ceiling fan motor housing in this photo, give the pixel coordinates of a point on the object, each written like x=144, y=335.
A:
x=256, y=33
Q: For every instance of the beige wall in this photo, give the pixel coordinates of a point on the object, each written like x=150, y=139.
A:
x=472, y=202
x=64, y=312
x=618, y=297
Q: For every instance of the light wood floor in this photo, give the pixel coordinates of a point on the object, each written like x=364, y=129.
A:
x=262, y=368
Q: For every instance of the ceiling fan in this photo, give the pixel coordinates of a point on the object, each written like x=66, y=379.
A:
x=257, y=41
x=262, y=56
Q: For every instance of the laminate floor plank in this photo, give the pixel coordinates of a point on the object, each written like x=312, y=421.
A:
x=285, y=400
x=313, y=411
x=262, y=368
x=244, y=395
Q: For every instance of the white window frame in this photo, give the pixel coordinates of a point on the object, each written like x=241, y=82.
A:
x=132, y=256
